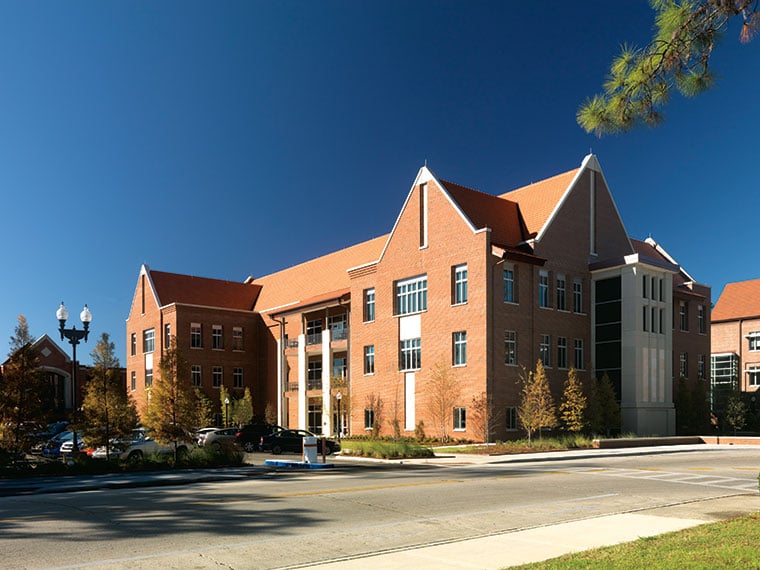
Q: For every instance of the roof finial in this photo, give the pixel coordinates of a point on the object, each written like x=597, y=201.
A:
x=426, y=163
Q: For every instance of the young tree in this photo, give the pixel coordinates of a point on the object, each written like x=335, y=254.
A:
x=226, y=408
x=375, y=404
x=204, y=409
x=677, y=57
x=572, y=409
x=736, y=411
x=107, y=410
x=536, y=409
x=443, y=393
x=172, y=409
x=604, y=411
x=485, y=416
x=22, y=390
x=270, y=414
x=242, y=409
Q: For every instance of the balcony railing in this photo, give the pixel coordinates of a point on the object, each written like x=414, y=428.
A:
x=315, y=338
x=339, y=334
x=291, y=343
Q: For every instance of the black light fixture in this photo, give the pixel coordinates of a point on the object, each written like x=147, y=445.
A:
x=74, y=336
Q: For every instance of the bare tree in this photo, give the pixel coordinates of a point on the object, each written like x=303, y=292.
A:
x=485, y=416
x=444, y=391
x=375, y=404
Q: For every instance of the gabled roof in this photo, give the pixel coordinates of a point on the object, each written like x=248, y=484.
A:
x=315, y=277
x=487, y=211
x=739, y=300
x=537, y=201
x=190, y=290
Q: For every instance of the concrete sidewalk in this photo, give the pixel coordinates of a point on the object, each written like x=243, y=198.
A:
x=545, y=542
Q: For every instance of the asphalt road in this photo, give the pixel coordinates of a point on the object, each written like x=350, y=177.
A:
x=289, y=519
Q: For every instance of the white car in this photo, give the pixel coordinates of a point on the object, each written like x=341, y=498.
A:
x=137, y=447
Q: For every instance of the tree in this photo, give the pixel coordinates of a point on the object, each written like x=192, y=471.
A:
x=242, y=409
x=270, y=414
x=204, y=409
x=485, y=417
x=736, y=411
x=604, y=411
x=107, y=410
x=375, y=404
x=572, y=409
x=443, y=392
x=172, y=408
x=678, y=56
x=224, y=396
x=536, y=409
x=22, y=391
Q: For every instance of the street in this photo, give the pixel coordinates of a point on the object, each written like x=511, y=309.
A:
x=294, y=518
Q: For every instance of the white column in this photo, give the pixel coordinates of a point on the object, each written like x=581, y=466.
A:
x=302, y=381
x=326, y=375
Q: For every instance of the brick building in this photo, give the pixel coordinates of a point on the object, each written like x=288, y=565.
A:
x=215, y=328
x=735, y=324
x=479, y=286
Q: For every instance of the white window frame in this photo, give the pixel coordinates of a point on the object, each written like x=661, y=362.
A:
x=196, y=335
x=753, y=375
x=508, y=280
x=561, y=292
x=133, y=381
x=562, y=352
x=411, y=295
x=237, y=377
x=369, y=418
x=410, y=354
x=217, y=337
x=460, y=284
x=217, y=377
x=238, y=343
x=543, y=289
x=369, y=360
x=545, y=350
x=511, y=418
x=460, y=418
x=460, y=348
x=196, y=375
x=369, y=305
x=578, y=354
x=510, y=348
x=577, y=296
x=149, y=340
x=754, y=341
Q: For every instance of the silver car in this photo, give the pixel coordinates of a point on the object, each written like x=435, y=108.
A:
x=218, y=438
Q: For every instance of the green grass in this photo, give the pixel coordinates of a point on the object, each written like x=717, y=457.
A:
x=383, y=449
x=727, y=544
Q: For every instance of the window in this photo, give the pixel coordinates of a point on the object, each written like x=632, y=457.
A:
x=149, y=340
x=662, y=290
x=133, y=344
x=339, y=367
x=369, y=359
x=683, y=364
x=216, y=376
x=511, y=416
x=237, y=377
x=754, y=375
x=701, y=319
x=561, y=352
x=644, y=312
x=133, y=381
x=460, y=348
x=167, y=335
x=460, y=419
x=314, y=331
x=754, y=341
x=662, y=321
x=644, y=286
x=148, y=377
x=337, y=326
x=369, y=418
x=544, y=349
x=369, y=305
x=543, y=289
x=701, y=366
x=509, y=286
x=411, y=295
x=653, y=322
x=510, y=348
x=460, y=284
x=579, y=365
x=195, y=375
x=411, y=354
x=217, y=337
x=561, y=290
x=196, y=336
x=653, y=290
x=683, y=313
x=577, y=296
x=314, y=374
x=237, y=338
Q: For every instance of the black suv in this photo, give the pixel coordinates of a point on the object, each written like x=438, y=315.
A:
x=249, y=436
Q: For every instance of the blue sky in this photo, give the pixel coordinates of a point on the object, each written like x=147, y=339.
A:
x=237, y=138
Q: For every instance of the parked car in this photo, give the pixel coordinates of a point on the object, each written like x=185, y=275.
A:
x=68, y=445
x=291, y=440
x=134, y=449
x=249, y=436
x=218, y=438
x=200, y=435
x=52, y=447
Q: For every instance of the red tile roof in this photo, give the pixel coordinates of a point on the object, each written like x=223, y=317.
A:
x=488, y=211
x=317, y=276
x=538, y=200
x=202, y=291
x=737, y=301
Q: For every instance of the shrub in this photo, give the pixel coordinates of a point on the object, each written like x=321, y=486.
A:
x=384, y=449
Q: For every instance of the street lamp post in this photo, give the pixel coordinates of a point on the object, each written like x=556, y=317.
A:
x=339, y=397
x=226, y=412
x=73, y=336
